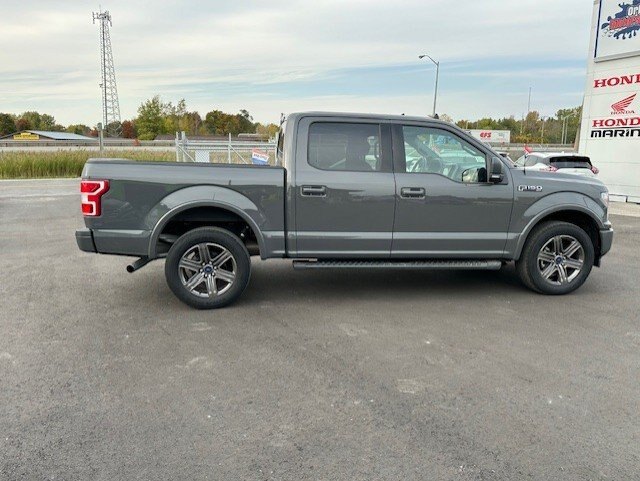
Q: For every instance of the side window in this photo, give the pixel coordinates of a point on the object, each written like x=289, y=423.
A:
x=344, y=146
x=520, y=162
x=531, y=161
x=434, y=151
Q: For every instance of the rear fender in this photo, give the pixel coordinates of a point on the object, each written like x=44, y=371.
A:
x=203, y=196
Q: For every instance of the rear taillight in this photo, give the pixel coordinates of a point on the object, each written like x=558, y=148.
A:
x=550, y=168
x=595, y=170
x=91, y=191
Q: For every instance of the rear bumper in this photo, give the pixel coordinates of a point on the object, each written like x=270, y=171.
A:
x=606, y=239
x=84, y=239
x=117, y=242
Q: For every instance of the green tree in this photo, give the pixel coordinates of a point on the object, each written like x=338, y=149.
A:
x=7, y=124
x=47, y=122
x=573, y=117
x=31, y=119
x=245, y=122
x=79, y=129
x=151, y=119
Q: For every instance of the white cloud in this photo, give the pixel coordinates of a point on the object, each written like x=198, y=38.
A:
x=49, y=60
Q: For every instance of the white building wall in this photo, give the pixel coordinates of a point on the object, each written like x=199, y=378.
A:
x=611, y=135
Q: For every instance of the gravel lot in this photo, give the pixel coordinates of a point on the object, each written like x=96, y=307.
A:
x=345, y=375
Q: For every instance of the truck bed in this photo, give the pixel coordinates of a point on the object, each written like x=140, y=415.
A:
x=142, y=193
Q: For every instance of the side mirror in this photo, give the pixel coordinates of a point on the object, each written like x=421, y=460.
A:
x=497, y=173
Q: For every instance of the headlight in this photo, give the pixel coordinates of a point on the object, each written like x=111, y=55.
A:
x=604, y=197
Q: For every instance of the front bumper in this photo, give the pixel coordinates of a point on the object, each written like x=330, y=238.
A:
x=84, y=239
x=606, y=239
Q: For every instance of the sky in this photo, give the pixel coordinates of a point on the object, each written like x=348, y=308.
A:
x=276, y=56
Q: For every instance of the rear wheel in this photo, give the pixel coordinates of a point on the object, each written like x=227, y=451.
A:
x=557, y=258
x=208, y=268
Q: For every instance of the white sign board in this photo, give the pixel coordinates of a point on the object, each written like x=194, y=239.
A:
x=259, y=157
x=610, y=132
x=617, y=30
x=492, y=136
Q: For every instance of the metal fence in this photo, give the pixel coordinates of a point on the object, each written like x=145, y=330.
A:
x=224, y=151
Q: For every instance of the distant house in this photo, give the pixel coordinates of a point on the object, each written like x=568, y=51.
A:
x=38, y=135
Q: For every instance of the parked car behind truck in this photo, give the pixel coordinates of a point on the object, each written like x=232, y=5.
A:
x=350, y=191
x=567, y=163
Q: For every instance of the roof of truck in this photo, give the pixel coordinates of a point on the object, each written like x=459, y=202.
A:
x=365, y=116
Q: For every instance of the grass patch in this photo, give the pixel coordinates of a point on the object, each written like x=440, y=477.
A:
x=66, y=163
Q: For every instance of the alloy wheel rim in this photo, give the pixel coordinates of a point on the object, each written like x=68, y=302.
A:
x=207, y=270
x=561, y=260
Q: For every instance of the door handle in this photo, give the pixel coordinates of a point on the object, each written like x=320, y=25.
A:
x=413, y=193
x=314, y=190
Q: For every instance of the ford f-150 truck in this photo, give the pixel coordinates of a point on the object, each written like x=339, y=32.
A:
x=349, y=191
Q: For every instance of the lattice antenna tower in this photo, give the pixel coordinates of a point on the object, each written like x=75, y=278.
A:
x=110, y=104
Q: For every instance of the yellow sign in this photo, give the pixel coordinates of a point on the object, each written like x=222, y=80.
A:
x=26, y=136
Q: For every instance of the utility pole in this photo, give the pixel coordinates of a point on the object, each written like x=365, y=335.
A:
x=435, y=93
x=110, y=103
x=565, y=129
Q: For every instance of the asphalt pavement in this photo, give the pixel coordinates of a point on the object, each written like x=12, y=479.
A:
x=340, y=375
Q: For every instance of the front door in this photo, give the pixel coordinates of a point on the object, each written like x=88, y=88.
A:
x=344, y=189
x=445, y=206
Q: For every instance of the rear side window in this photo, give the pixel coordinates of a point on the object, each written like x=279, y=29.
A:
x=344, y=146
x=571, y=162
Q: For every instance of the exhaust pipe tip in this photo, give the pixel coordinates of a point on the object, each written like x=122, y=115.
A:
x=143, y=261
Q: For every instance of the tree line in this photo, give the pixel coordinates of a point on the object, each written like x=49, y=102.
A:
x=533, y=128
x=157, y=117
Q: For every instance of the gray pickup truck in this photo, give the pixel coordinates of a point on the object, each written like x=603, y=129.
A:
x=350, y=191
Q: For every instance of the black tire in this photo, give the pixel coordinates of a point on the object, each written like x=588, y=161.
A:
x=210, y=292
x=530, y=268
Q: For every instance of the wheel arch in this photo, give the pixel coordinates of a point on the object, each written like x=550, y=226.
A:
x=215, y=207
x=573, y=214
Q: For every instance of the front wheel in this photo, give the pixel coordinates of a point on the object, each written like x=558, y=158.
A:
x=208, y=268
x=557, y=258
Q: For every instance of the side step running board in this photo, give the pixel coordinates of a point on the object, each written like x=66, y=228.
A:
x=480, y=264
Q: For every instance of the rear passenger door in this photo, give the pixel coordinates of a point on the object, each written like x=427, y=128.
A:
x=344, y=188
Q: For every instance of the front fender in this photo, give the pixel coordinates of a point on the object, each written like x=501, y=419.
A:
x=551, y=204
x=203, y=196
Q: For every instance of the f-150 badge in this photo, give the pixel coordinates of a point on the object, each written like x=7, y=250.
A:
x=530, y=188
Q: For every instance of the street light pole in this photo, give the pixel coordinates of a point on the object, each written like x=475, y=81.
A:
x=435, y=93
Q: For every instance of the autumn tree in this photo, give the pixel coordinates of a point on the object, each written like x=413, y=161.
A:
x=268, y=131
x=129, y=130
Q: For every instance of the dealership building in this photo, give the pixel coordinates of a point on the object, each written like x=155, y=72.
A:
x=610, y=129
